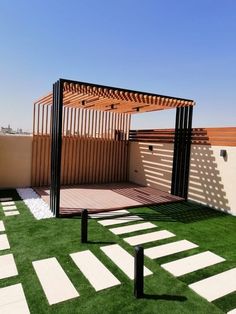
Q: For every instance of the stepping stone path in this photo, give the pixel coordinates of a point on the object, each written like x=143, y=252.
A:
x=122, y=259
x=132, y=228
x=169, y=249
x=4, y=244
x=210, y=288
x=9, y=207
x=149, y=237
x=96, y=273
x=12, y=300
x=54, y=281
x=11, y=213
x=120, y=220
x=2, y=228
x=192, y=263
x=7, y=266
x=216, y=286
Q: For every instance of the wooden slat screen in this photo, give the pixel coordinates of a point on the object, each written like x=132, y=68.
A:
x=94, y=146
x=225, y=136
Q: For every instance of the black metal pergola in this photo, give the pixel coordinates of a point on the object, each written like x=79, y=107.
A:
x=130, y=101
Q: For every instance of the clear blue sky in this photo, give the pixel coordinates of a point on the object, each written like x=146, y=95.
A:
x=184, y=48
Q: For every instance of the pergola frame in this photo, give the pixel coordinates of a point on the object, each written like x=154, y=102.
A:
x=106, y=98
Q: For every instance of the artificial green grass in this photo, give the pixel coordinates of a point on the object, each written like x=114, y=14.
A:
x=32, y=240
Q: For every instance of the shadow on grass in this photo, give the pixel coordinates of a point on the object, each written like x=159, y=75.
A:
x=185, y=212
x=165, y=297
x=100, y=242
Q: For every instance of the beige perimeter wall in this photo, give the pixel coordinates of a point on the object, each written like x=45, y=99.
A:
x=212, y=178
x=15, y=161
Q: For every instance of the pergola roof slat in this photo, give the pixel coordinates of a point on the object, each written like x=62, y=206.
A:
x=93, y=96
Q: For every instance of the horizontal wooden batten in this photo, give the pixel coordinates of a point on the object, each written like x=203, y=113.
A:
x=200, y=136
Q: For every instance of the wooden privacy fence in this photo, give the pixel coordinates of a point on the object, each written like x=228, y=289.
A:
x=200, y=136
x=94, y=146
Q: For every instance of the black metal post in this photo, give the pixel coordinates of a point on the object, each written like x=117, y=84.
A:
x=138, y=272
x=175, y=157
x=188, y=152
x=84, y=226
x=56, y=133
x=182, y=151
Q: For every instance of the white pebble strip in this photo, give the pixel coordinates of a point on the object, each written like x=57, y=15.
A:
x=232, y=311
x=36, y=205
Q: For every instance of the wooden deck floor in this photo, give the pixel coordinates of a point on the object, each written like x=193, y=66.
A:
x=105, y=197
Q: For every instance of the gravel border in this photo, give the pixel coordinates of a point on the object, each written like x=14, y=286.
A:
x=36, y=205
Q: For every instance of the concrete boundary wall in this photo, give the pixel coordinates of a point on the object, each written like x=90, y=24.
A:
x=15, y=161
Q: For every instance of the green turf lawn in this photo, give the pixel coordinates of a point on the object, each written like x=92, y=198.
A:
x=32, y=240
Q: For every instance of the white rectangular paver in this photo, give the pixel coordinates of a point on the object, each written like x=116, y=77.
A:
x=11, y=213
x=55, y=283
x=169, y=248
x=109, y=214
x=7, y=266
x=8, y=203
x=12, y=207
x=216, y=286
x=12, y=300
x=232, y=311
x=5, y=199
x=2, y=227
x=120, y=220
x=192, y=263
x=149, y=237
x=122, y=259
x=4, y=244
x=96, y=273
x=132, y=228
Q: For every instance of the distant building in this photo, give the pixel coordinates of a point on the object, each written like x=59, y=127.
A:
x=9, y=131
